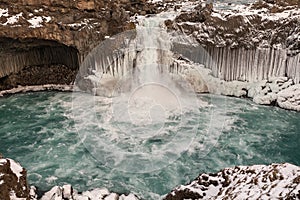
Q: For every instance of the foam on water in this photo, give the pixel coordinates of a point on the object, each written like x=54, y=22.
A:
x=37, y=129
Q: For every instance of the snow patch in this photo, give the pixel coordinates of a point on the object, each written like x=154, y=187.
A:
x=35, y=22
x=14, y=197
x=3, y=12
x=16, y=168
x=222, y=11
x=2, y=162
x=13, y=19
x=47, y=18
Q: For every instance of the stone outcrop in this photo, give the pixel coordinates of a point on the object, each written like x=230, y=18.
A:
x=248, y=50
x=13, y=185
x=13, y=180
x=280, y=181
x=43, y=42
x=289, y=98
x=67, y=192
x=276, y=181
x=276, y=91
x=246, y=43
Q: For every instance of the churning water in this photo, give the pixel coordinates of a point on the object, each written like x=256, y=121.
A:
x=38, y=130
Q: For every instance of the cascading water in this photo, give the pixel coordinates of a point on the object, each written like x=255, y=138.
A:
x=153, y=108
x=147, y=120
x=153, y=45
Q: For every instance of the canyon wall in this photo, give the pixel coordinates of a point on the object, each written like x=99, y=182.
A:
x=243, y=42
x=249, y=43
x=36, y=61
x=242, y=64
x=44, y=42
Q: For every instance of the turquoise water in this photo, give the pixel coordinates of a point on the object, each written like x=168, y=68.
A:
x=37, y=129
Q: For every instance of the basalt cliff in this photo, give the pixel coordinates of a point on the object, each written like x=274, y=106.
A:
x=44, y=42
x=249, y=50
x=246, y=50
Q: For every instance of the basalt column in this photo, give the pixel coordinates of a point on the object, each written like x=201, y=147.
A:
x=36, y=62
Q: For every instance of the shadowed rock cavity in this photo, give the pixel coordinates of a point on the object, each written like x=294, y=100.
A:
x=36, y=62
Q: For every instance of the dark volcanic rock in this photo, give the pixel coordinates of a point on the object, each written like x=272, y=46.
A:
x=258, y=25
x=39, y=38
x=246, y=42
x=13, y=181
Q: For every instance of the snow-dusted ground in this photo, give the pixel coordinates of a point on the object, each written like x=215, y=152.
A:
x=223, y=10
x=34, y=88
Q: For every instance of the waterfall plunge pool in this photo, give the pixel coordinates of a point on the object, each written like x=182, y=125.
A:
x=38, y=130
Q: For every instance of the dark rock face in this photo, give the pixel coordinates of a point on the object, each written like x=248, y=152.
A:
x=41, y=35
x=36, y=62
x=248, y=27
x=39, y=75
x=13, y=181
x=45, y=41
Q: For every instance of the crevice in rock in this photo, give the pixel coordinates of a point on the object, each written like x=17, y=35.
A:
x=35, y=62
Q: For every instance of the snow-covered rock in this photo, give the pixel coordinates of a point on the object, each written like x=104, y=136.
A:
x=33, y=193
x=54, y=194
x=112, y=196
x=128, y=197
x=279, y=91
x=66, y=192
x=276, y=181
x=13, y=182
x=290, y=98
x=244, y=42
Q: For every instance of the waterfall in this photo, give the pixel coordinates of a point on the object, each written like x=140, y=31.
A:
x=154, y=46
x=128, y=60
x=138, y=99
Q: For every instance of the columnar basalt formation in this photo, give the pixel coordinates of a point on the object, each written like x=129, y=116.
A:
x=43, y=42
x=35, y=61
x=245, y=43
x=245, y=46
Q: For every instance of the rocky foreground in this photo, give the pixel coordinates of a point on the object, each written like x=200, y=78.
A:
x=276, y=181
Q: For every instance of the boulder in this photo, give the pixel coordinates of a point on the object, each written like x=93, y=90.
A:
x=290, y=98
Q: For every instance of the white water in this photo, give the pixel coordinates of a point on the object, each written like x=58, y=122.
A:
x=141, y=119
